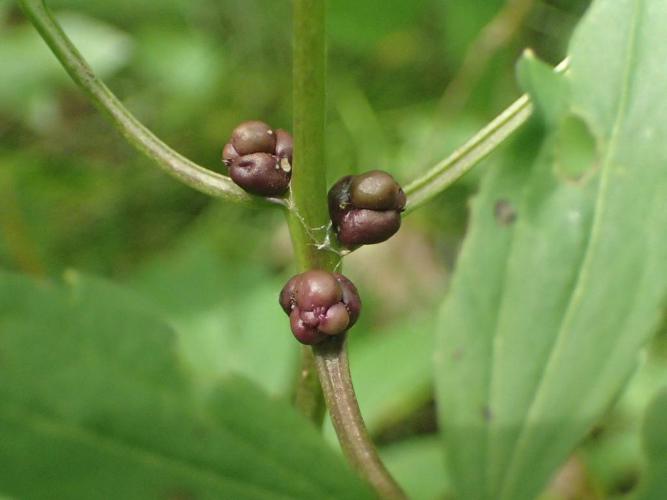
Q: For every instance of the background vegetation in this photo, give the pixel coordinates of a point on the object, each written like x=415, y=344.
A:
x=408, y=82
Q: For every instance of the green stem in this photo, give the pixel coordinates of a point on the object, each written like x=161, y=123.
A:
x=308, y=216
x=308, y=221
x=332, y=364
x=461, y=161
x=308, y=396
x=133, y=130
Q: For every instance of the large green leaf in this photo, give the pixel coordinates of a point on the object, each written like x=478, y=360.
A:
x=561, y=277
x=96, y=403
x=654, y=486
x=227, y=319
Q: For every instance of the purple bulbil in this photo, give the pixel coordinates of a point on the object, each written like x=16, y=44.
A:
x=366, y=208
x=319, y=304
x=259, y=159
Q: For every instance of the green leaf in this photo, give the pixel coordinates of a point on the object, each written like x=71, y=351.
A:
x=95, y=402
x=561, y=278
x=220, y=330
x=548, y=90
x=655, y=448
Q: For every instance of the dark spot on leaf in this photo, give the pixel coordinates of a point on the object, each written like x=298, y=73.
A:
x=179, y=494
x=200, y=432
x=457, y=355
x=487, y=414
x=625, y=483
x=504, y=212
x=597, y=432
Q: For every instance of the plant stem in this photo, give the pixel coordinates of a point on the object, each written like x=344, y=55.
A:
x=133, y=130
x=332, y=364
x=307, y=216
x=461, y=161
x=308, y=396
x=308, y=221
x=452, y=168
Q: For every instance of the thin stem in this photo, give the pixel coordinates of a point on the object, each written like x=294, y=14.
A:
x=308, y=396
x=452, y=168
x=308, y=221
x=307, y=215
x=332, y=364
x=133, y=130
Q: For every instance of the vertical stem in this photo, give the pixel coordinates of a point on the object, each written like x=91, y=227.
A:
x=308, y=397
x=308, y=221
x=308, y=214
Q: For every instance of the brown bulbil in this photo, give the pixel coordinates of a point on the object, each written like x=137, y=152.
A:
x=366, y=208
x=229, y=154
x=319, y=304
x=259, y=173
x=367, y=227
x=376, y=190
x=259, y=159
x=254, y=137
x=284, y=144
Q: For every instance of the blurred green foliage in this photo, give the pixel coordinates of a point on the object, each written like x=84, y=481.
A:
x=191, y=71
x=404, y=91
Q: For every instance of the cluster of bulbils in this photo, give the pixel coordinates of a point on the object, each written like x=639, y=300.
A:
x=364, y=209
x=259, y=159
x=319, y=304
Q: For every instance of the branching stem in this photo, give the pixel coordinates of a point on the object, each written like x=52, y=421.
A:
x=307, y=211
x=452, y=168
x=133, y=130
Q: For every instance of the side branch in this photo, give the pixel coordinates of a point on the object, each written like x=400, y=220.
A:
x=452, y=168
x=308, y=210
x=446, y=172
x=133, y=130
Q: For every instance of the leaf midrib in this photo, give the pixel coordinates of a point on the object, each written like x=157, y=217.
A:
x=584, y=268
